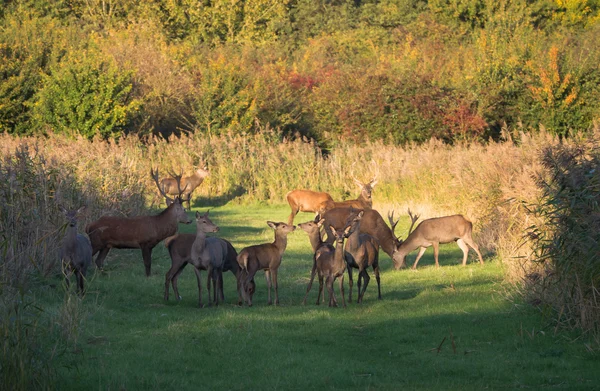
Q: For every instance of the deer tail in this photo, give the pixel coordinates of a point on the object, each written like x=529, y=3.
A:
x=242, y=260
x=169, y=240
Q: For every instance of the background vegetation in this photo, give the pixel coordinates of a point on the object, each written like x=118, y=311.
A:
x=393, y=70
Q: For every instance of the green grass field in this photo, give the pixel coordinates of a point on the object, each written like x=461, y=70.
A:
x=446, y=328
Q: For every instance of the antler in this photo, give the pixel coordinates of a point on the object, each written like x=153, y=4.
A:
x=154, y=175
x=374, y=181
x=413, y=219
x=393, y=223
x=359, y=183
x=177, y=178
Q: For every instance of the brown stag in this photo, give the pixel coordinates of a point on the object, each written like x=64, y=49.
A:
x=432, y=232
x=189, y=183
x=306, y=201
x=364, y=200
x=143, y=232
x=267, y=257
x=371, y=223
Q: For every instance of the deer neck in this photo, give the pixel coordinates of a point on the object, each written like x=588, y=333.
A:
x=280, y=242
x=411, y=243
x=71, y=237
x=353, y=241
x=200, y=240
x=166, y=222
x=315, y=240
x=387, y=241
x=338, y=256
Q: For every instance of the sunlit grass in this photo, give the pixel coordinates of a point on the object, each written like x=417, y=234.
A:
x=445, y=328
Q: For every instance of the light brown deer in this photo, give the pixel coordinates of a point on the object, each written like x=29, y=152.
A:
x=188, y=183
x=328, y=261
x=76, y=250
x=306, y=201
x=432, y=232
x=361, y=251
x=143, y=232
x=267, y=257
x=371, y=223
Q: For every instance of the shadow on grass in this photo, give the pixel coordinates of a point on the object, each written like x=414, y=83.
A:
x=202, y=201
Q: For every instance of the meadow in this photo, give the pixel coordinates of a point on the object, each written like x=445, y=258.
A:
x=451, y=327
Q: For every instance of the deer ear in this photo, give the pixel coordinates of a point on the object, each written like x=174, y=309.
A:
x=360, y=215
x=373, y=183
x=197, y=214
x=320, y=222
x=333, y=230
x=62, y=209
x=81, y=209
x=272, y=224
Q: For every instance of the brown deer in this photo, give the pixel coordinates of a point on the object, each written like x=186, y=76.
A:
x=188, y=183
x=432, y=232
x=364, y=200
x=267, y=257
x=76, y=250
x=143, y=232
x=180, y=251
x=362, y=251
x=306, y=201
x=328, y=261
x=371, y=223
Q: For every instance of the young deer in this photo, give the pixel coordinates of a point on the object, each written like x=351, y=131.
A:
x=76, y=250
x=188, y=183
x=143, y=232
x=267, y=257
x=432, y=232
x=180, y=251
x=362, y=251
x=328, y=262
x=306, y=201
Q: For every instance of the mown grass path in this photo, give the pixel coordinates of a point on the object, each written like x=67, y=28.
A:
x=446, y=328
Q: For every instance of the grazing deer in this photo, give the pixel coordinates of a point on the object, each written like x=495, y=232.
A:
x=76, y=250
x=189, y=184
x=364, y=200
x=362, y=251
x=306, y=201
x=267, y=257
x=372, y=224
x=143, y=232
x=432, y=232
x=328, y=261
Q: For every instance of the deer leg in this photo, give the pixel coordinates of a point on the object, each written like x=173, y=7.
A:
x=209, y=272
x=366, y=278
x=465, y=249
x=436, y=253
x=275, y=285
x=80, y=278
x=168, y=278
x=419, y=255
x=359, y=284
x=100, y=258
x=295, y=211
x=221, y=293
x=321, y=292
x=147, y=255
x=376, y=272
x=469, y=240
x=268, y=278
x=312, y=277
x=341, y=280
x=199, y=278
x=329, y=282
x=246, y=281
x=350, y=283
x=174, y=281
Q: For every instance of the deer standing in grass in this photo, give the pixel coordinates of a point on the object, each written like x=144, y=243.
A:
x=361, y=251
x=180, y=251
x=432, y=232
x=189, y=183
x=306, y=201
x=371, y=223
x=267, y=257
x=328, y=261
x=143, y=232
x=76, y=250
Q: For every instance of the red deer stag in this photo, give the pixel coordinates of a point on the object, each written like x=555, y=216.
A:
x=362, y=251
x=364, y=200
x=143, y=232
x=328, y=261
x=76, y=250
x=189, y=183
x=432, y=232
x=267, y=257
x=306, y=201
x=372, y=224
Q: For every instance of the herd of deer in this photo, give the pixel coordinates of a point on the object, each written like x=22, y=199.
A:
x=354, y=232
